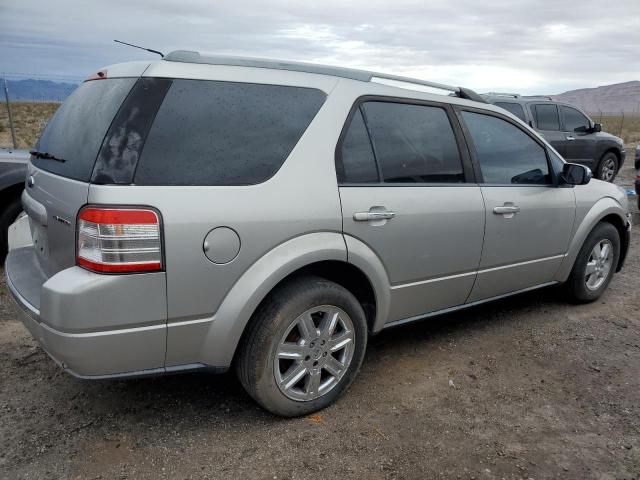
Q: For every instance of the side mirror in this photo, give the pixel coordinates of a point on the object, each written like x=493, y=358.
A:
x=574, y=174
x=597, y=127
x=582, y=129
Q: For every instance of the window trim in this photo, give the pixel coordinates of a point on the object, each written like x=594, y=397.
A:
x=472, y=148
x=463, y=150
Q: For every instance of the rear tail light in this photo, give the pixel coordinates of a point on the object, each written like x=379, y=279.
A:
x=123, y=240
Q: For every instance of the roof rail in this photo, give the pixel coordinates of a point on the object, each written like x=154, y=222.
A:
x=545, y=97
x=188, y=56
x=502, y=94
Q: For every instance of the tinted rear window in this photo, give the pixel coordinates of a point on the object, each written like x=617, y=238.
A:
x=513, y=108
x=77, y=129
x=224, y=133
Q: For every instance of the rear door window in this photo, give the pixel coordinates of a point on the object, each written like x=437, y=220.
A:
x=513, y=108
x=78, y=127
x=413, y=143
x=505, y=153
x=547, y=117
x=224, y=133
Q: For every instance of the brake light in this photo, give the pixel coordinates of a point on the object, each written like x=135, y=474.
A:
x=99, y=75
x=123, y=240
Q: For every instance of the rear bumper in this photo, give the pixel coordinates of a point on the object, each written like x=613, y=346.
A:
x=94, y=326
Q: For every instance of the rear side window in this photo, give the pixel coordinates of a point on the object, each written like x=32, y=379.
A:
x=574, y=119
x=358, y=164
x=546, y=117
x=413, y=143
x=513, y=108
x=505, y=153
x=77, y=129
x=224, y=133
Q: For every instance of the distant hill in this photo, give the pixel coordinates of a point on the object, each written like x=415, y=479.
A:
x=619, y=97
x=30, y=90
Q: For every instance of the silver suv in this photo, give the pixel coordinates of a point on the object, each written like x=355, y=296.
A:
x=204, y=212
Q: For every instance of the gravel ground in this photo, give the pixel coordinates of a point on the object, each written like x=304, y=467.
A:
x=529, y=387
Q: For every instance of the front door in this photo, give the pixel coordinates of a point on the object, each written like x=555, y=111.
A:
x=581, y=141
x=404, y=193
x=529, y=218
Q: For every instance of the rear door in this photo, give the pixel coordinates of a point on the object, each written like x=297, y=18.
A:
x=407, y=192
x=581, y=142
x=546, y=118
x=529, y=218
x=58, y=188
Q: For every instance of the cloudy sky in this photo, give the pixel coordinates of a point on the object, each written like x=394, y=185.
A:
x=528, y=46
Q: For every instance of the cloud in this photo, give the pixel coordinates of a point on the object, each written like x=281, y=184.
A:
x=541, y=46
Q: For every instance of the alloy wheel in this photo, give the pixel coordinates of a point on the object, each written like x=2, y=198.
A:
x=608, y=169
x=599, y=264
x=314, y=353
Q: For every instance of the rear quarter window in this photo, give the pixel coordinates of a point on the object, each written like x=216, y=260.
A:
x=513, y=108
x=224, y=133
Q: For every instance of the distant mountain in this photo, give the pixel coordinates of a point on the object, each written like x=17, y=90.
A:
x=619, y=97
x=30, y=90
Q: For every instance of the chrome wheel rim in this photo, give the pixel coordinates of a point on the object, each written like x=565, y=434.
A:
x=599, y=264
x=314, y=353
x=608, y=169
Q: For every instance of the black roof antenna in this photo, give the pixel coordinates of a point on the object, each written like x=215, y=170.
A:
x=141, y=48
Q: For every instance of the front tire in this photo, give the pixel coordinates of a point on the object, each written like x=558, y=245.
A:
x=608, y=167
x=595, y=265
x=304, y=347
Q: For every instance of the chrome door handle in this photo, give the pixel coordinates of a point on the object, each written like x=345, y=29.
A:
x=368, y=216
x=570, y=138
x=506, y=209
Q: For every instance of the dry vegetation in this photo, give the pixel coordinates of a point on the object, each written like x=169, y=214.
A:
x=628, y=128
x=31, y=118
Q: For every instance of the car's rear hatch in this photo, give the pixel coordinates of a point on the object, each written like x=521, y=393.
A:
x=59, y=175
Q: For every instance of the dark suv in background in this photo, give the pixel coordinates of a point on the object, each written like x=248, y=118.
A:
x=13, y=170
x=569, y=130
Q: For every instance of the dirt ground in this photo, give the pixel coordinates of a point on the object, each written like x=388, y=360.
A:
x=529, y=387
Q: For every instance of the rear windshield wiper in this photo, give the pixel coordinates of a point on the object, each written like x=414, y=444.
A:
x=46, y=156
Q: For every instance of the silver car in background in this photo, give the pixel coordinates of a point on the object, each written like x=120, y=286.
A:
x=213, y=212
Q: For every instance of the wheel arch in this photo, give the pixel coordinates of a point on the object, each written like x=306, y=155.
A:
x=322, y=254
x=605, y=210
x=610, y=149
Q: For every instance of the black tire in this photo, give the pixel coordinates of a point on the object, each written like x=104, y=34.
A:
x=609, y=160
x=7, y=216
x=576, y=284
x=255, y=362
